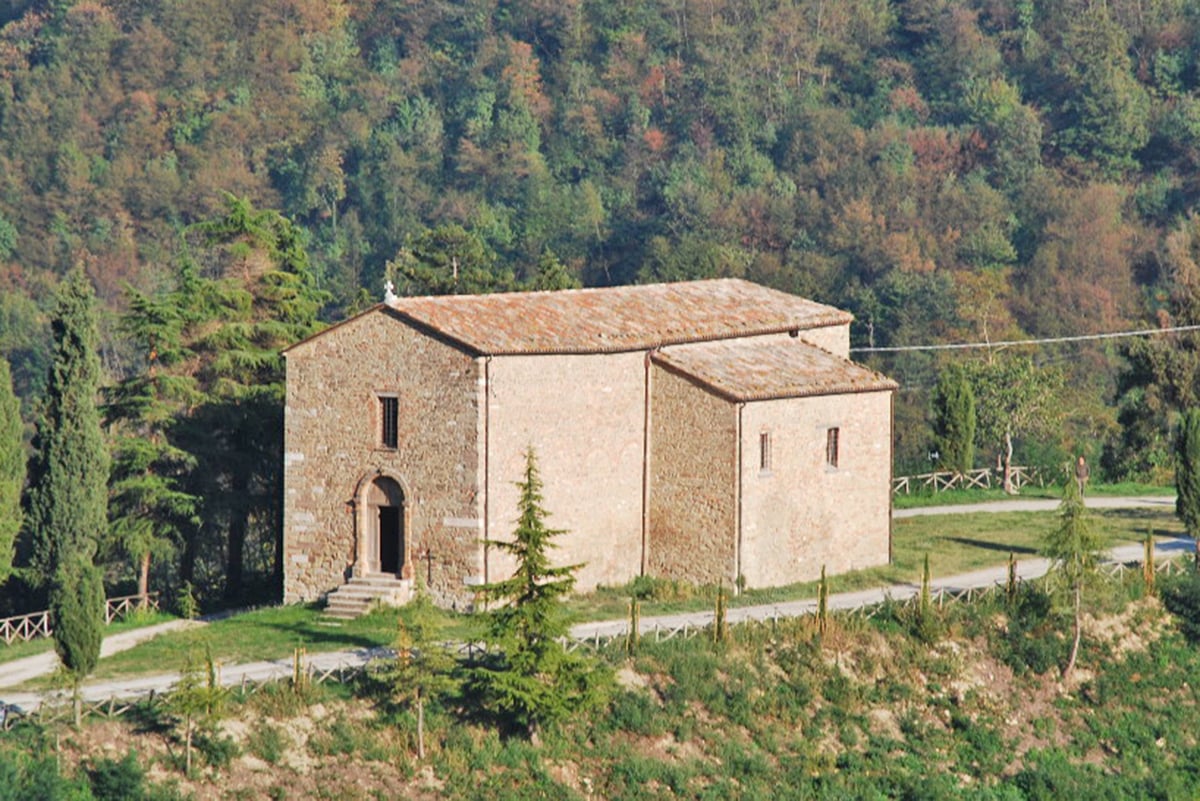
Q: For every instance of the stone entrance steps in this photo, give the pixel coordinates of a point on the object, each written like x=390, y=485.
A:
x=355, y=597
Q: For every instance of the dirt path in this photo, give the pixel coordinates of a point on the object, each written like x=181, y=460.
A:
x=282, y=668
x=20, y=671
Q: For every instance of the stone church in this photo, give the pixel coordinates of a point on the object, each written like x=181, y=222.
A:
x=709, y=431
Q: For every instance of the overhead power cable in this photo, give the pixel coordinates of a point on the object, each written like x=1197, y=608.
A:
x=1015, y=342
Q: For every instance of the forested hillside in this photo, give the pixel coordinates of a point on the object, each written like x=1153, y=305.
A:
x=949, y=170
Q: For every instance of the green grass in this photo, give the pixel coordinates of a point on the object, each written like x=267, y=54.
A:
x=20, y=650
x=269, y=633
x=955, y=544
x=922, y=498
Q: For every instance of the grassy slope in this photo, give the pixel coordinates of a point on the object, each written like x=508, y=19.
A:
x=870, y=710
x=955, y=543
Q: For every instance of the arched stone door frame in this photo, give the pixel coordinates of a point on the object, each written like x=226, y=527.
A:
x=366, y=523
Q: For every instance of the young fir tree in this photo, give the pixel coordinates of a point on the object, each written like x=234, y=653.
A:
x=1187, y=474
x=954, y=420
x=424, y=667
x=12, y=470
x=1074, y=551
x=68, y=496
x=530, y=679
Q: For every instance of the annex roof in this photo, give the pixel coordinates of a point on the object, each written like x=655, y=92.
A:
x=615, y=319
x=766, y=370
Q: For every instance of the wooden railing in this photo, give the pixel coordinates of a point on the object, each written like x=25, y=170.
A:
x=124, y=606
x=982, y=478
x=302, y=671
x=24, y=628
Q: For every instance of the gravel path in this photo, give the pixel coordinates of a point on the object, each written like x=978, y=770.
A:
x=16, y=672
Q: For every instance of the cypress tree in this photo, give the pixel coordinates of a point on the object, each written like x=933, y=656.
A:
x=68, y=487
x=12, y=470
x=954, y=420
x=1187, y=474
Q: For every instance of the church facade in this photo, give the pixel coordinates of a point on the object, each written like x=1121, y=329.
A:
x=708, y=431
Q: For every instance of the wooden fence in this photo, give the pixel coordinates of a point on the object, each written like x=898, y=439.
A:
x=304, y=672
x=23, y=628
x=983, y=478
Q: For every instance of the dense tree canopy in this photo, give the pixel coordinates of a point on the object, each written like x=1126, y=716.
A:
x=948, y=170
x=12, y=471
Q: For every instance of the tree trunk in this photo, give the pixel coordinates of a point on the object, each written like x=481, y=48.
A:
x=420, y=726
x=1008, y=451
x=187, y=749
x=1078, y=631
x=187, y=563
x=144, y=581
x=239, y=523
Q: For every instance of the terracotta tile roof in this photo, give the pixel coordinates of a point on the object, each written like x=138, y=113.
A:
x=615, y=319
x=765, y=370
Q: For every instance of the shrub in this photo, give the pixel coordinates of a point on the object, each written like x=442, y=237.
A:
x=268, y=742
x=634, y=712
x=114, y=780
x=649, y=588
x=1033, y=641
x=217, y=749
x=1181, y=595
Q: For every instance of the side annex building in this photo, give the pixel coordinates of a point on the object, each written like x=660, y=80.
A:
x=708, y=431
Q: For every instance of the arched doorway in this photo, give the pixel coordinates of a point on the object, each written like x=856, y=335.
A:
x=384, y=527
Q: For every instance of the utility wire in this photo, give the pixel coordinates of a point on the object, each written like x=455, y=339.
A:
x=1014, y=342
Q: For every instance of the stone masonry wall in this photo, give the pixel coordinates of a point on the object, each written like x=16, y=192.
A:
x=583, y=416
x=801, y=513
x=332, y=446
x=693, y=482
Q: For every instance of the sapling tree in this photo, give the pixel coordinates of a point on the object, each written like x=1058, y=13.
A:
x=1074, y=550
x=424, y=667
x=196, y=699
x=529, y=678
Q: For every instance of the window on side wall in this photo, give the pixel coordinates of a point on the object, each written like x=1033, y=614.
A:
x=831, y=446
x=389, y=420
x=764, y=452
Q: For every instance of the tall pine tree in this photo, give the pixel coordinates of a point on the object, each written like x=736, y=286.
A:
x=150, y=514
x=263, y=298
x=12, y=470
x=68, y=495
x=199, y=464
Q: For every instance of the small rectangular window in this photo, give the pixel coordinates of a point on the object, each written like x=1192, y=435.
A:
x=831, y=447
x=389, y=415
x=764, y=451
